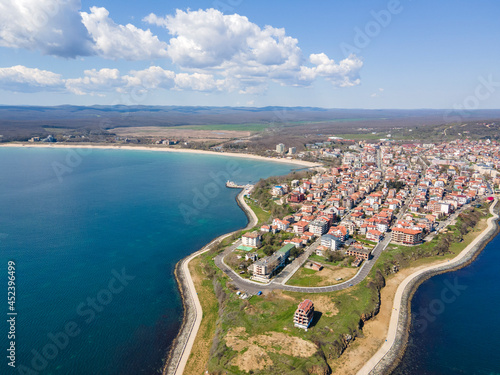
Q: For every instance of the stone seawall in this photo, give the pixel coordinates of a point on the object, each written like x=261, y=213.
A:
x=391, y=359
x=181, y=348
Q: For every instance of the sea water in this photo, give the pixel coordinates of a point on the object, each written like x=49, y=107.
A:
x=95, y=235
x=455, y=326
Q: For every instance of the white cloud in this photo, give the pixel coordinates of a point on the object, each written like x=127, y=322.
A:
x=95, y=82
x=343, y=74
x=115, y=41
x=52, y=26
x=99, y=82
x=212, y=51
x=377, y=94
x=152, y=78
x=22, y=79
x=247, y=56
x=57, y=27
x=197, y=82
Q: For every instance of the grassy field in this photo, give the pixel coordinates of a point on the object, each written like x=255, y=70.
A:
x=250, y=127
x=201, y=349
x=305, y=277
x=256, y=335
x=327, y=276
x=337, y=317
x=262, y=216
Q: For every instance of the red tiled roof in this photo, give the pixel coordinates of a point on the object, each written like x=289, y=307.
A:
x=305, y=305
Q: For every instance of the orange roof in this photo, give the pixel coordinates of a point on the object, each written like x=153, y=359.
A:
x=407, y=230
x=305, y=305
x=301, y=224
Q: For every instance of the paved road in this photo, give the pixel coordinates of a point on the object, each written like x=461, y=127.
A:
x=253, y=287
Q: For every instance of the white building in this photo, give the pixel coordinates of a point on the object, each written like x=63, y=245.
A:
x=280, y=148
x=331, y=241
x=251, y=239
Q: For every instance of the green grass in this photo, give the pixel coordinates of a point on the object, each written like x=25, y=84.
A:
x=262, y=216
x=250, y=127
x=271, y=313
x=304, y=277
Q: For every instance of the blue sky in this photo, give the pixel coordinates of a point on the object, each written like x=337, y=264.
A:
x=336, y=54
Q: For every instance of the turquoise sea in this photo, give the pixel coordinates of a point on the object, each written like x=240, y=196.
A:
x=95, y=235
x=455, y=328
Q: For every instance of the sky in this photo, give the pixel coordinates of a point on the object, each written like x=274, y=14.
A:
x=334, y=54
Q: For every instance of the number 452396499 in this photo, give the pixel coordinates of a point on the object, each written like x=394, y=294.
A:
x=11, y=288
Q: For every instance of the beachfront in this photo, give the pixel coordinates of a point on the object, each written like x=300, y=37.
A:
x=297, y=162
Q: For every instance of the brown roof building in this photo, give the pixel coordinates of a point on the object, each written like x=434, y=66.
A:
x=304, y=314
x=406, y=236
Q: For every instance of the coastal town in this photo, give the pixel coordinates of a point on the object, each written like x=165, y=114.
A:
x=383, y=199
x=379, y=194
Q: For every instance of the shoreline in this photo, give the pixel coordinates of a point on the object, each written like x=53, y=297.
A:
x=182, y=345
x=180, y=350
x=110, y=146
x=390, y=353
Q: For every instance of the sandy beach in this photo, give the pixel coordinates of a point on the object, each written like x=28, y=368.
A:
x=161, y=149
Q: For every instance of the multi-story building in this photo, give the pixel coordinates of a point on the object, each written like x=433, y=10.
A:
x=304, y=314
x=280, y=148
x=358, y=252
x=331, y=241
x=252, y=239
x=318, y=227
x=265, y=268
x=406, y=236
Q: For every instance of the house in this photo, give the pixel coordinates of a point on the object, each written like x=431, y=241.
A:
x=281, y=224
x=321, y=250
x=251, y=256
x=340, y=232
x=316, y=266
x=331, y=241
x=358, y=252
x=406, y=236
x=265, y=228
x=304, y=314
x=296, y=197
x=300, y=227
x=252, y=239
x=277, y=190
x=374, y=235
x=297, y=242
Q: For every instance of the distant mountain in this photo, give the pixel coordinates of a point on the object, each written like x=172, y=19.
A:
x=18, y=122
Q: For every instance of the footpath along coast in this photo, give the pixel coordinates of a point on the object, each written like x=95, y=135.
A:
x=387, y=357
x=182, y=345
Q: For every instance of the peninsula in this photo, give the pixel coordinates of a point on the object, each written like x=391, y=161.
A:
x=343, y=238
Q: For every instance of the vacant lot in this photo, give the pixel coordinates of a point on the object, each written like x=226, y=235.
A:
x=179, y=133
x=327, y=276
